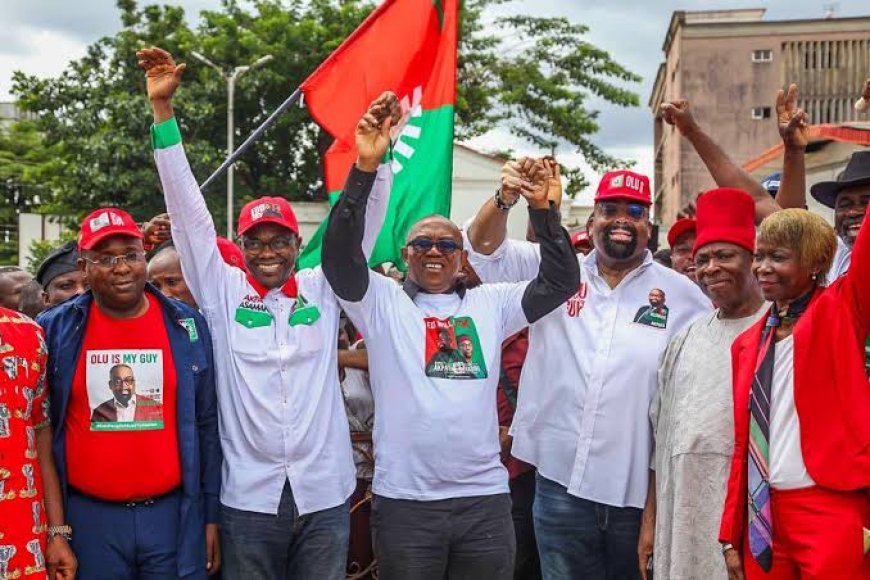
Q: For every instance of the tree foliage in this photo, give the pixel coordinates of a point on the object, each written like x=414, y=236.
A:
x=531, y=75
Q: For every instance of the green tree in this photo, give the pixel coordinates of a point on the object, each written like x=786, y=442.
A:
x=536, y=84
x=26, y=168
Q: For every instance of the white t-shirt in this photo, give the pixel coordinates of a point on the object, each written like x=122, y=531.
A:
x=434, y=365
x=591, y=373
x=787, y=467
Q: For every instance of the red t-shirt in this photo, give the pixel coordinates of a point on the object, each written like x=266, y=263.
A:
x=121, y=433
x=23, y=412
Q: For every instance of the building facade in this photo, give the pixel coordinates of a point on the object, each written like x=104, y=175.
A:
x=729, y=64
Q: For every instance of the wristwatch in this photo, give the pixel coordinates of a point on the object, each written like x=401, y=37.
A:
x=64, y=531
x=726, y=546
x=501, y=204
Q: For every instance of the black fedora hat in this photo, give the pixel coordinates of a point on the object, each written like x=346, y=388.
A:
x=857, y=172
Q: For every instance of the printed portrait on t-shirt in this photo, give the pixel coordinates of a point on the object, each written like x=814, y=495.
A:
x=656, y=313
x=453, y=349
x=125, y=389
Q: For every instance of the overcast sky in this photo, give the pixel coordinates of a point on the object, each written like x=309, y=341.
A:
x=41, y=36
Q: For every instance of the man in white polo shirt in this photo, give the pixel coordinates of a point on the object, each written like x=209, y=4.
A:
x=590, y=375
x=288, y=466
x=442, y=507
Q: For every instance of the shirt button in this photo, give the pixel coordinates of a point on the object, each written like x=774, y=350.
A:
x=194, y=368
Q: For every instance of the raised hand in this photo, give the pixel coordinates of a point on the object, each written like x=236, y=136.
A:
x=512, y=181
x=161, y=74
x=537, y=175
x=156, y=231
x=793, y=123
x=678, y=114
x=373, y=131
x=555, y=193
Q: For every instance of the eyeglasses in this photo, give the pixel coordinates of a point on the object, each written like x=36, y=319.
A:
x=423, y=245
x=634, y=211
x=276, y=244
x=112, y=261
x=126, y=381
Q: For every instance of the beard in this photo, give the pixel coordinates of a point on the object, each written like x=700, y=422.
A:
x=843, y=232
x=617, y=250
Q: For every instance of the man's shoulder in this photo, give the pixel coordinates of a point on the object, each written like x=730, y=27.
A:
x=60, y=313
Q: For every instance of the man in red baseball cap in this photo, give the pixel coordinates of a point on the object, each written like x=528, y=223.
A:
x=693, y=408
x=681, y=239
x=151, y=464
x=598, y=355
x=284, y=430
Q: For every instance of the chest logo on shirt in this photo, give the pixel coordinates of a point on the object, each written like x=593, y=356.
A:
x=125, y=389
x=655, y=313
x=252, y=313
x=453, y=349
x=575, y=304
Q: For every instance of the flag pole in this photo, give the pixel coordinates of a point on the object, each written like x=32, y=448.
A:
x=253, y=137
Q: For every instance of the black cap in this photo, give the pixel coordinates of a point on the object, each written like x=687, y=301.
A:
x=857, y=172
x=60, y=261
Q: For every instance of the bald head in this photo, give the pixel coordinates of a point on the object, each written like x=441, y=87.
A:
x=439, y=222
x=434, y=254
x=12, y=282
x=164, y=271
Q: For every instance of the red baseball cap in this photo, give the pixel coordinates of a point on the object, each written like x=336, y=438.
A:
x=624, y=184
x=680, y=227
x=231, y=253
x=104, y=223
x=580, y=237
x=725, y=215
x=267, y=210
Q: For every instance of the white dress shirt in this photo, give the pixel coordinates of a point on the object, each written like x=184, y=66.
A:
x=591, y=373
x=842, y=259
x=125, y=414
x=280, y=406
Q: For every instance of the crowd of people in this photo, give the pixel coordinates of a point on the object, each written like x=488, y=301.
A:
x=561, y=407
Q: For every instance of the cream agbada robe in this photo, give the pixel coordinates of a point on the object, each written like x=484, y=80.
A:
x=693, y=422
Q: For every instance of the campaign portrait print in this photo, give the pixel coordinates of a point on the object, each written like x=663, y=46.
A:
x=125, y=389
x=453, y=349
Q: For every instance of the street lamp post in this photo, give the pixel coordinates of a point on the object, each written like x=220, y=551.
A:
x=231, y=77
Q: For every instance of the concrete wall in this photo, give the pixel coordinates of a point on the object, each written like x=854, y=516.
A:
x=35, y=227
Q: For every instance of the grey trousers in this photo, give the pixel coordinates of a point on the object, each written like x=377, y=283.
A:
x=468, y=538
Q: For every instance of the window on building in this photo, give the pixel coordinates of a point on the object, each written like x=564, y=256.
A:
x=761, y=112
x=765, y=55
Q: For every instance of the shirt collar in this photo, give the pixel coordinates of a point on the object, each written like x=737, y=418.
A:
x=412, y=289
x=590, y=261
x=289, y=288
x=132, y=403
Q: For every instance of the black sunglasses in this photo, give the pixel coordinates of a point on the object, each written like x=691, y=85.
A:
x=423, y=245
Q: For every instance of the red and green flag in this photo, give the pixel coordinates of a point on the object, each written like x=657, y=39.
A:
x=409, y=47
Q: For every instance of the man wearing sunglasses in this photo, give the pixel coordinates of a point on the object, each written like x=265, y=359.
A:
x=590, y=375
x=147, y=461
x=441, y=507
x=289, y=467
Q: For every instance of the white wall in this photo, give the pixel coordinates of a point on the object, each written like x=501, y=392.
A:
x=31, y=227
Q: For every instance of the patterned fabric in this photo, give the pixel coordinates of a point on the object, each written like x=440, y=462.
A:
x=23, y=411
x=760, y=520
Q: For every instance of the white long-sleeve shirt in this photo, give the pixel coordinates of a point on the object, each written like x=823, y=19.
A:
x=590, y=373
x=280, y=406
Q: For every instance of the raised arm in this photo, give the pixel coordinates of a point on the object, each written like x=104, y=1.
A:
x=559, y=272
x=724, y=171
x=193, y=230
x=344, y=261
x=795, y=132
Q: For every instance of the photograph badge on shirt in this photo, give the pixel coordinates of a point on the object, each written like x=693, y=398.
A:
x=655, y=313
x=125, y=389
x=453, y=349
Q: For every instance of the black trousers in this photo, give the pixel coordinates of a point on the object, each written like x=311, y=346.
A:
x=467, y=538
x=528, y=565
